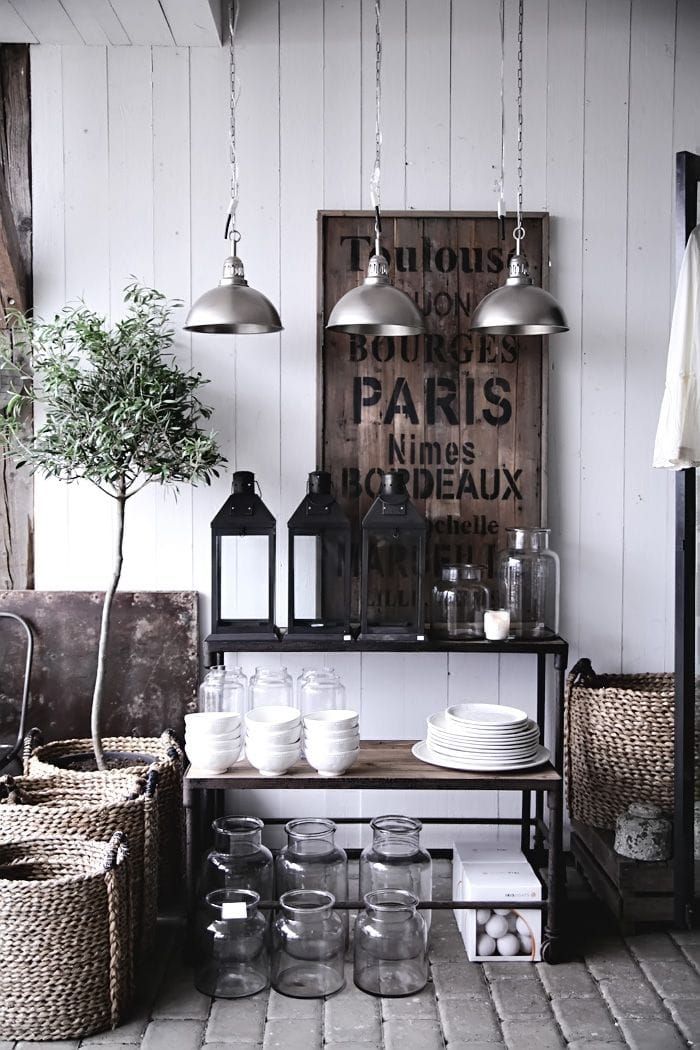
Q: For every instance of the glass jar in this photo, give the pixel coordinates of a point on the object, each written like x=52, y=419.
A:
x=459, y=601
x=308, y=942
x=321, y=690
x=211, y=690
x=395, y=860
x=231, y=957
x=528, y=582
x=312, y=861
x=391, y=945
x=239, y=861
x=234, y=691
x=271, y=686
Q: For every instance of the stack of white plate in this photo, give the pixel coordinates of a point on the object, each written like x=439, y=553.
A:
x=476, y=737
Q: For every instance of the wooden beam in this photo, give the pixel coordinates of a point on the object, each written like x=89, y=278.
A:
x=16, y=487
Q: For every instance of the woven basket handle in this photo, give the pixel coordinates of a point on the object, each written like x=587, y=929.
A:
x=116, y=850
x=32, y=740
x=151, y=782
x=173, y=745
x=582, y=671
x=8, y=789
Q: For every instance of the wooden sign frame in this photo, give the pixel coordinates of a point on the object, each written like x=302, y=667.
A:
x=465, y=414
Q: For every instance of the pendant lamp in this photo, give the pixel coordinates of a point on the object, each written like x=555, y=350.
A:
x=519, y=307
x=376, y=307
x=233, y=307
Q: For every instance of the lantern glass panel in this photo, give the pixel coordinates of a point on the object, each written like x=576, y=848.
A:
x=320, y=578
x=307, y=569
x=393, y=569
x=245, y=562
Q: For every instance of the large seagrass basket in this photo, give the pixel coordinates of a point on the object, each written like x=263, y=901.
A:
x=65, y=937
x=68, y=760
x=37, y=807
x=619, y=743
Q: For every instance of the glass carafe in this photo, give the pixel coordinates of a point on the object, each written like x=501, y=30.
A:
x=391, y=951
x=528, y=581
x=395, y=859
x=234, y=691
x=459, y=601
x=231, y=957
x=239, y=861
x=271, y=686
x=211, y=690
x=312, y=861
x=308, y=943
x=320, y=690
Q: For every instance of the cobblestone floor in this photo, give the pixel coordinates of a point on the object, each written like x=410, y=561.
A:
x=642, y=992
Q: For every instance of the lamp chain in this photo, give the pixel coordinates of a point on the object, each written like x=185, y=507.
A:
x=231, y=230
x=501, y=181
x=375, y=181
x=519, y=231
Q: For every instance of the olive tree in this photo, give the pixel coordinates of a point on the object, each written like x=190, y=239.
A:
x=116, y=411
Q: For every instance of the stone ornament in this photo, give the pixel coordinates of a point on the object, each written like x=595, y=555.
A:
x=643, y=832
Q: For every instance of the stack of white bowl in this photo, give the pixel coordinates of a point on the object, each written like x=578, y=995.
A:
x=331, y=741
x=273, y=738
x=213, y=740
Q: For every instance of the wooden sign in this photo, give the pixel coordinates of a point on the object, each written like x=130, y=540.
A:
x=461, y=414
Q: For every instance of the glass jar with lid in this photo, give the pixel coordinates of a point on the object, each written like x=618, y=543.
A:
x=311, y=860
x=271, y=686
x=239, y=860
x=231, y=957
x=390, y=949
x=321, y=690
x=234, y=691
x=528, y=582
x=459, y=601
x=211, y=690
x=395, y=860
x=308, y=943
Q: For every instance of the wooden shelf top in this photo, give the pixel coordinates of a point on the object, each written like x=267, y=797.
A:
x=552, y=645
x=383, y=764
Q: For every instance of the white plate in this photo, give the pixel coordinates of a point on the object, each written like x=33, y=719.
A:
x=476, y=745
x=441, y=722
x=422, y=752
x=482, y=756
x=488, y=715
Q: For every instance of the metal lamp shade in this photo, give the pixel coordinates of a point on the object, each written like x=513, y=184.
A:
x=233, y=308
x=519, y=307
x=376, y=307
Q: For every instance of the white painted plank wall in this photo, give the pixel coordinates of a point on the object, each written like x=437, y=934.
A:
x=130, y=168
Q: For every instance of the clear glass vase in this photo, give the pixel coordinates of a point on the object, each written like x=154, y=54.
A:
x=271, y=686
x=459, y=601
x=239, y=860
x=396, y=861
x=528, y=582
x=231, y=958
x=308, y=946
x=312, y=861
x=390, y=949
x=321, y=690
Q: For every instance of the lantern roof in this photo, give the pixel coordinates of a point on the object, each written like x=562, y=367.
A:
x=392, y=507
x=319, y=508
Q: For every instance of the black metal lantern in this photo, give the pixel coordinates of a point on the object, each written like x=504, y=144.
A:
x=319, y=565
x=393, y=566
x=243, y=540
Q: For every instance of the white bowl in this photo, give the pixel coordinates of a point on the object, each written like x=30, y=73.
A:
x=332, y=765
x=212, y=721
x=214, y=745
x=275, y=737
x=272, y=765
x=202, y=758
x=265, y=748
x=273, y=716
x=344, y=742
x=344, y=719
x=321, y=731
x=206, y=736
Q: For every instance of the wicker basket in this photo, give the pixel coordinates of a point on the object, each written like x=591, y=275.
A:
x=619, y=743
x=40, y=761
x=65, y=937
x=35, y=807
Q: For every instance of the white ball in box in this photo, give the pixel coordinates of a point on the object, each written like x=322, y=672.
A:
x=489, y=871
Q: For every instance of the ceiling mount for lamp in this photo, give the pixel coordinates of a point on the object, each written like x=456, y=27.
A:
x=233, y=307
x=376, y=307
x=518, y=307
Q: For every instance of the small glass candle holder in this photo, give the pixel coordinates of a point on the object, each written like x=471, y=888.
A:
x=496, y=624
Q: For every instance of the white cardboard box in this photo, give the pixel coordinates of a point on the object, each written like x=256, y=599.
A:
x=496, y=873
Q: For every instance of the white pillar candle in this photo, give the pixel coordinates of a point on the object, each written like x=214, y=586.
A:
x=496, y=624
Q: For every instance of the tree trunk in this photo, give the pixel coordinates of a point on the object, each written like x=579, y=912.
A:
x=96, y=712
